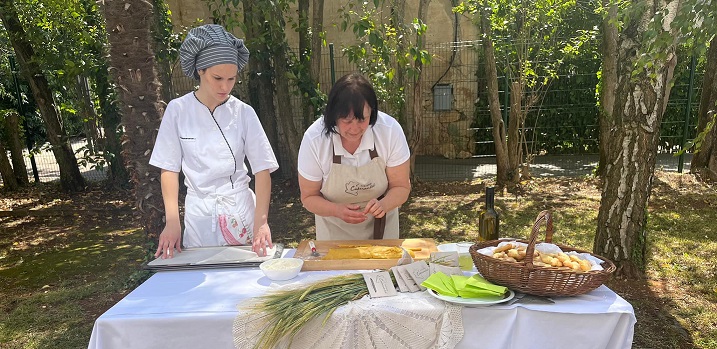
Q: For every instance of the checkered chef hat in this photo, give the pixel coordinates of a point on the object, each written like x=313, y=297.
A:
x=209, y=45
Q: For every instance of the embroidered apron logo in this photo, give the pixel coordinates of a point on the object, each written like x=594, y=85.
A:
x=354, y=187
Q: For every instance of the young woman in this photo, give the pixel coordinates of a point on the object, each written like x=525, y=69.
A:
x=354, y=166
x=207, y=134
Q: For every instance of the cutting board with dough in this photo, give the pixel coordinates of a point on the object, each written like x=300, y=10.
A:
x=422, y=249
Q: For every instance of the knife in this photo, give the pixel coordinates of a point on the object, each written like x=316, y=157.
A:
x=374, y=286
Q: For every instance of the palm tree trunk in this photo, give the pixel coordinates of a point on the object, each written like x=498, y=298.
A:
x=133, y=64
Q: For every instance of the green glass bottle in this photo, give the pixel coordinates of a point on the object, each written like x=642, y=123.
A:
x=489, y=221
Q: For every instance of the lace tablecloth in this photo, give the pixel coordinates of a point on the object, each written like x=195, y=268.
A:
x=409, y=320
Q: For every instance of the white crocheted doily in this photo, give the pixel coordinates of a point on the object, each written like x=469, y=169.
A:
x=409, y=320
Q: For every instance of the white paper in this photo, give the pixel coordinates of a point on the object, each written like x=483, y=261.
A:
x=379, y=284
x=399, y=280
x=412, y=286
x=419, y=272
x=445, y=258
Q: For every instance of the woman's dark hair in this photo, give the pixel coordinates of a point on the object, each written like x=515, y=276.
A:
x=348, y=96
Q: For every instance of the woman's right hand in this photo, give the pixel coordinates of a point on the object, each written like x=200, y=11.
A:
x=169, y=240
x=350, y=213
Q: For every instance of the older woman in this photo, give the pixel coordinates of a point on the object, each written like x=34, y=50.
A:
x=354, y=166
x=207, y=134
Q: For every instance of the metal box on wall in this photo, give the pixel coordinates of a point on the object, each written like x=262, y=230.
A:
x=442, y=97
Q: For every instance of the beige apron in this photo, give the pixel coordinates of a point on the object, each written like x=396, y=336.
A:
x=356, y=185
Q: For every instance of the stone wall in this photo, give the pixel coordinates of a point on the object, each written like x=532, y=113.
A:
x=445, y=133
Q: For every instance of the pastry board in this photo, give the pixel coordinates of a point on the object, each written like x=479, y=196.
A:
x=214, y=257
x=422, y=249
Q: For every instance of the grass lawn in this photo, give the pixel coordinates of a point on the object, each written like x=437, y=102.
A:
x=73, y=257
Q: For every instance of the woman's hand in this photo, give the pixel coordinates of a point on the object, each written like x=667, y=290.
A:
x=350, y=213
x=375, y=208
x=261, y=239
x=169, y=240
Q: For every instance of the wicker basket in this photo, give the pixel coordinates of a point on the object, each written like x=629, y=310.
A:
x=540, y=281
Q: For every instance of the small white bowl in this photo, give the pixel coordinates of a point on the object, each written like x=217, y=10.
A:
x=279, y=269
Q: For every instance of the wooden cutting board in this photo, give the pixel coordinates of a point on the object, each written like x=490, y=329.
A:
x=422, y=250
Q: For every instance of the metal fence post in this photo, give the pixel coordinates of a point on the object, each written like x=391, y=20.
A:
x=331, y=59
x=29, y=141
x=688, y=112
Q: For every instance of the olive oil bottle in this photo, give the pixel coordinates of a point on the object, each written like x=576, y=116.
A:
x=489, y=220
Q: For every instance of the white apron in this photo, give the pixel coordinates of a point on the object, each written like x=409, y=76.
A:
x=355, y=185
x=202, y=219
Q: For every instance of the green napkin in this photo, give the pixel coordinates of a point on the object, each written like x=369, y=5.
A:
x=481, y=283
x=464, y=286
x=441, y=283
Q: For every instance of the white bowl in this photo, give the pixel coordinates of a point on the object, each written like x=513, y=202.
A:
x=279, y=269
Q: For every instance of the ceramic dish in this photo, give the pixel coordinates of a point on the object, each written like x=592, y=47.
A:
x=470, y=302
x=280, y=269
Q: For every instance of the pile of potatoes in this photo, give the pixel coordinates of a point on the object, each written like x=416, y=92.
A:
x=514, y=253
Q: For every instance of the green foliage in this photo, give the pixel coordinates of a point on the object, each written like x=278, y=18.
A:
x=64, y=36
x=551, y=48
x=228, y=13
x=696, y=143
x=384, y=50
x=692, y=24
x=167, y=40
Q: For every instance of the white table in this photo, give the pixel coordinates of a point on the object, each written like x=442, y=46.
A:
x=196, y=309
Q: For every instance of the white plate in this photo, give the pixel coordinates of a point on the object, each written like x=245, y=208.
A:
x=470, y=302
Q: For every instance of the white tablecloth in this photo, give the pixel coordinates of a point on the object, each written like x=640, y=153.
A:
x=196, y=309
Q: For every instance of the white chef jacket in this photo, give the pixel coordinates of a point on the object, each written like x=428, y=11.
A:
x=190, y=140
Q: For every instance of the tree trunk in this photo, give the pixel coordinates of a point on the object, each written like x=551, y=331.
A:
x=291, y=134
x=8, y=176
x=499, y=132
x=111, y=126
x=640, y=102
x=316, y=41
x=70, y=177
x=415, y=133
x=609, y=83
x=12, y=125
x=109, y=113
x=133, y=65
x=87, y=113
x=398, y=15
x=305, y=56
x=261, y=88
x=513, y=141
x=705, y=159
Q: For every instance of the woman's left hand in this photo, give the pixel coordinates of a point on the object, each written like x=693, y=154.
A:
x=261, y=240
x=375, y=208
